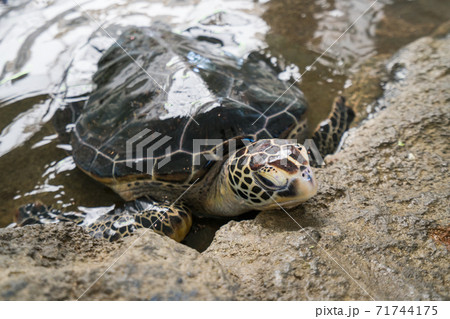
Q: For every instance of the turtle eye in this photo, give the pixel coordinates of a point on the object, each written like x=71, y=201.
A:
x=270, y=181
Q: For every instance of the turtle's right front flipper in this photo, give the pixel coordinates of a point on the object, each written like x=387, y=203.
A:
x=173, y=221
x=38, y=213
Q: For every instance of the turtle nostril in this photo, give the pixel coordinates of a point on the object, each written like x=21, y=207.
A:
x=307, y=177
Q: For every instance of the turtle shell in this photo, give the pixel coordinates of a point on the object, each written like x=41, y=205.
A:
x=155, y=87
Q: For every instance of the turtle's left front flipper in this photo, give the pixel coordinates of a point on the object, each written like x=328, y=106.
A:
x=329, y=132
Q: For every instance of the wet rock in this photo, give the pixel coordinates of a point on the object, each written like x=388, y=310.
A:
x=62, y=262
x=378, y=227
x=364, y=86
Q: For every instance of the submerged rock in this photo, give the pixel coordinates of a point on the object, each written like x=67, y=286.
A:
x=377, y=229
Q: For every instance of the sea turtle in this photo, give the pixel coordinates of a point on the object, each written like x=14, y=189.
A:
x=177, y=125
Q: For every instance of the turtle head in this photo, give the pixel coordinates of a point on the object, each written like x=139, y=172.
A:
x=265, y=174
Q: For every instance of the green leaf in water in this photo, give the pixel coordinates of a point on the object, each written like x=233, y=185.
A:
x=14, y=77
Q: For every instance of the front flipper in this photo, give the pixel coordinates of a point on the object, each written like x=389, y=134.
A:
x=329, y=132
x=173, y=221
x=38, y=213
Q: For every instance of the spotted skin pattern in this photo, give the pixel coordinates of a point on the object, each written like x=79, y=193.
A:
x=173, y=221
x=251, y=168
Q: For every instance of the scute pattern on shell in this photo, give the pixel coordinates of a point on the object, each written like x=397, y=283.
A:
x=197, y=82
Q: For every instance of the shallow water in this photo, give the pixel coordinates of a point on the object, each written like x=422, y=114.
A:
x=39, y=39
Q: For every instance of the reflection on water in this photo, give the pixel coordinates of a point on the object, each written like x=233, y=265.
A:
x=39, y=39
x=302, y=30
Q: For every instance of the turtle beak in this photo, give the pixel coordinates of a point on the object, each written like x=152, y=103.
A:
x=302, y=186
x=306, y=183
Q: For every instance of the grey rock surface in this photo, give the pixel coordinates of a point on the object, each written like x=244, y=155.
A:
x=61, y=262
x=371, y=230
x=378, y=228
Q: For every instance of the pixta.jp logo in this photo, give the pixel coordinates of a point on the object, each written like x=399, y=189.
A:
x=141, y=149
